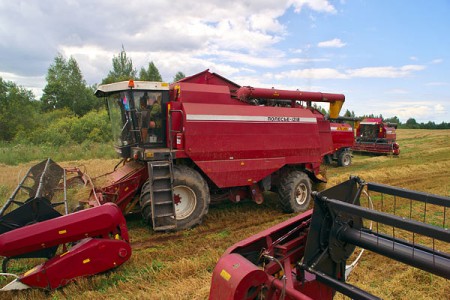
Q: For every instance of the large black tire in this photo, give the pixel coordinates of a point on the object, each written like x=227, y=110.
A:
x=295, y=192
x=146, y=203
x=191, y=197
x=345, y=159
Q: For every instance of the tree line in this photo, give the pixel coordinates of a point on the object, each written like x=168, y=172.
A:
x=411, y=123
x=68, y=110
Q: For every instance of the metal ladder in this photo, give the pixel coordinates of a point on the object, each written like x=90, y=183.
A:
x=161, y=193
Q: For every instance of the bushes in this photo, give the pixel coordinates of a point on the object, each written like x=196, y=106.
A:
x=62, y=127
x=94, y=126
x=61, y=135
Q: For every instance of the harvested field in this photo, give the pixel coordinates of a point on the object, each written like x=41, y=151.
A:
x=179, y=265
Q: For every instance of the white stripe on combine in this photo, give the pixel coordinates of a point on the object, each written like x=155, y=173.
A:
x=274, y=119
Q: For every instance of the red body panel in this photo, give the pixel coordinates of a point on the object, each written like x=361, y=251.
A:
x=122, y=184
x=101, y=238
x=93, y=222
x=390, y=133
x=206, y=77
x=237, y=145
x=235, y=276
x=342, y=135
x=89, y=257
x=326, y=137
x=204, y=93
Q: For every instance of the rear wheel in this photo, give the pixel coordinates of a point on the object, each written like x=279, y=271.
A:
x=295, y=192
x=191, y=197
x=345, y=159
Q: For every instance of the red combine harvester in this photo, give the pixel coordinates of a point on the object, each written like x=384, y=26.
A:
x=375, y=136
x=343, y=141
x=179, y=144
x=307, y=256
x=206, y=135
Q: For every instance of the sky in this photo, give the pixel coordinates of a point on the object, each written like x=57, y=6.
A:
x=387, y=57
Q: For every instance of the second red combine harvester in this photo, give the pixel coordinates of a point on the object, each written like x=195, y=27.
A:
x=206, y=137
x=375, y=136
x=343, y=138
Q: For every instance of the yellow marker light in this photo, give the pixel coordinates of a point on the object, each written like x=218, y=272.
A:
x=87, y=260
x=131, y=83
x=242, y=163
x=225, y=275
x=62, y=231
x=29, y=272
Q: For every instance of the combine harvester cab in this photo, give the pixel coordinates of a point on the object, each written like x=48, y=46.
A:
x=35, y=223
x=206, y=135
x=375, y=136
x=308, y=256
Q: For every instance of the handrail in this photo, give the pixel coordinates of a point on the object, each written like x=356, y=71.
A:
x=170, y=126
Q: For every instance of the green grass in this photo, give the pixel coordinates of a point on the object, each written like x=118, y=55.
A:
x=18, y=154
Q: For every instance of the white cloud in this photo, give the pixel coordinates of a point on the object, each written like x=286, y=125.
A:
x=368, y=72
x=422, y=111
x=312, y=73
x=307, y=60
x=385, y=72
x=437, y=83
x=437, y=61
x=33, y=83
x=317, y=5
x=334, y=43
x=439, y=108
x=243, y=32
x=397, y=91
